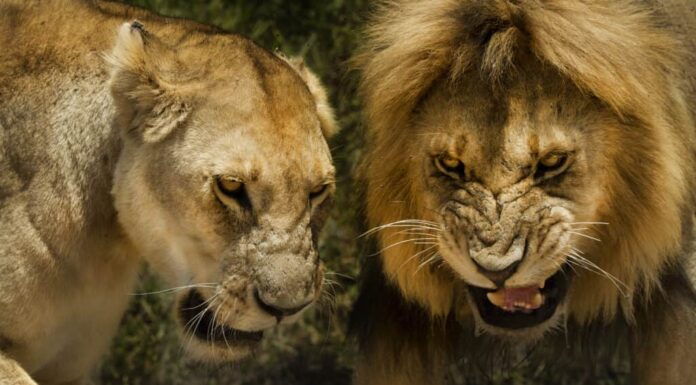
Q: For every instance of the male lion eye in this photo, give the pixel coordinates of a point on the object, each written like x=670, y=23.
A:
x=553, y=161
x=551, y=165
x=451, y=166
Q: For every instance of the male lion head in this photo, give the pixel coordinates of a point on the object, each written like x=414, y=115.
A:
x=225, y=178
x=531, y=159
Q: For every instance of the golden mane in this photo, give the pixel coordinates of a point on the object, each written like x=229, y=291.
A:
x=619, y=52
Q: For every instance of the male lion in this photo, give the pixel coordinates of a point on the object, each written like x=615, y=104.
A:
x=531, y=167
x=194, y=148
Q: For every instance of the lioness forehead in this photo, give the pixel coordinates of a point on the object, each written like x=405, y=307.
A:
x=249, y=82
x=254, y=118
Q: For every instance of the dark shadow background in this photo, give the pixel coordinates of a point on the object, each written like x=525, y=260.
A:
x=314, y=351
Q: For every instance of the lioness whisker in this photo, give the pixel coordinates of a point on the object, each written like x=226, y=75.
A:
x=331, y=283
x=224, y=335
x=191, y=326
x=214, y=325
x=208, y=285
x=346, y=276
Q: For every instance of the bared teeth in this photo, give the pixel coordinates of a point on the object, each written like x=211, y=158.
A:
x=497, y=298
x=536, y=301
x=541, y=285
x=524, y=299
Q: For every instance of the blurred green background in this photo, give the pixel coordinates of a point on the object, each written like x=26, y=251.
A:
x=314, y=351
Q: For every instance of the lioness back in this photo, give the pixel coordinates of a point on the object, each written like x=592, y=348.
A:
x=156, y=138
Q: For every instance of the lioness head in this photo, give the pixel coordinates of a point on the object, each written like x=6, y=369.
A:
x=526, y=159
x=224, y=179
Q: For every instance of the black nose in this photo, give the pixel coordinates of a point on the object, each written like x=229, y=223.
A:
x=498, y=277
x=277, y=311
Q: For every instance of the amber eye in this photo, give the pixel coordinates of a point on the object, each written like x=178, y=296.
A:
x=317, y=191
x=551, y=164
x=552, y=160
x=451, y=166
x=229, y=187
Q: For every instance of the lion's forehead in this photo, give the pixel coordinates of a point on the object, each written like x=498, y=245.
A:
x=499, y=136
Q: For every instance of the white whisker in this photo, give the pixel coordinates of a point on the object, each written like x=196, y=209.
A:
x=585, y=236
x=413, y=223
x=580, y=261
x=208, y=285
x=409, y=259
x=416, y=241
x=433, y=257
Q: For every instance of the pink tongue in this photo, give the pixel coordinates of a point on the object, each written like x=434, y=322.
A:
x=523, y=299
x=520, y=294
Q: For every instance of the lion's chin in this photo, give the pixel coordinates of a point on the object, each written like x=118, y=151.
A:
x=523, y=319
x=208, y=340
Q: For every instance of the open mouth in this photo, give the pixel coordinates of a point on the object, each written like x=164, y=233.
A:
x=524, y=307
x=204, y=327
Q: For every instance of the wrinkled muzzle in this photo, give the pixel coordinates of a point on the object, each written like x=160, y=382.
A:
x=287, y=277
x=268, y=277
x=499, y=233
x=509, y=249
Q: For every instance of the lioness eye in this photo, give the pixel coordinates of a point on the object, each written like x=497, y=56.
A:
x=229, y=186
x=451, y=166
x=317, y=191
x=230, y=189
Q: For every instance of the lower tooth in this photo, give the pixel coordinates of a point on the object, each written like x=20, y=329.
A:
x=537, y=300
x=497, y=299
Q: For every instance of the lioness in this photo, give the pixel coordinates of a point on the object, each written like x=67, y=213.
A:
x=531, y=168
x=191, y=147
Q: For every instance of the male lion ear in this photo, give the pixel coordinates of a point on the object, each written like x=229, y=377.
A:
x=324, y=110
x=143, y=85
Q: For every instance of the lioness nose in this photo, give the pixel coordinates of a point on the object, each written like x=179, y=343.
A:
x=277, y=310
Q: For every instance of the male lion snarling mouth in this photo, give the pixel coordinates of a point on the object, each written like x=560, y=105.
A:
x=531, y=166
x=191, y=147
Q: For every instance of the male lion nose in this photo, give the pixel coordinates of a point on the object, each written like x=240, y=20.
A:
x=276, y=310
x=500, y=260
x=498, y=277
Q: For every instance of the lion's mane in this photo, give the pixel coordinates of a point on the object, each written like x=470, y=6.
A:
x=622, y=52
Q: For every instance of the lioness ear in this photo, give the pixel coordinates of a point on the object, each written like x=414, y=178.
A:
x=142, y=84
x=324, y=110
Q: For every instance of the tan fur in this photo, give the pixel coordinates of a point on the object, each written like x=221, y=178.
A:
x=113, y=136
x=479, y=82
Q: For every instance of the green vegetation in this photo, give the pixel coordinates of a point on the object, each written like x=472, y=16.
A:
x=315, y=351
